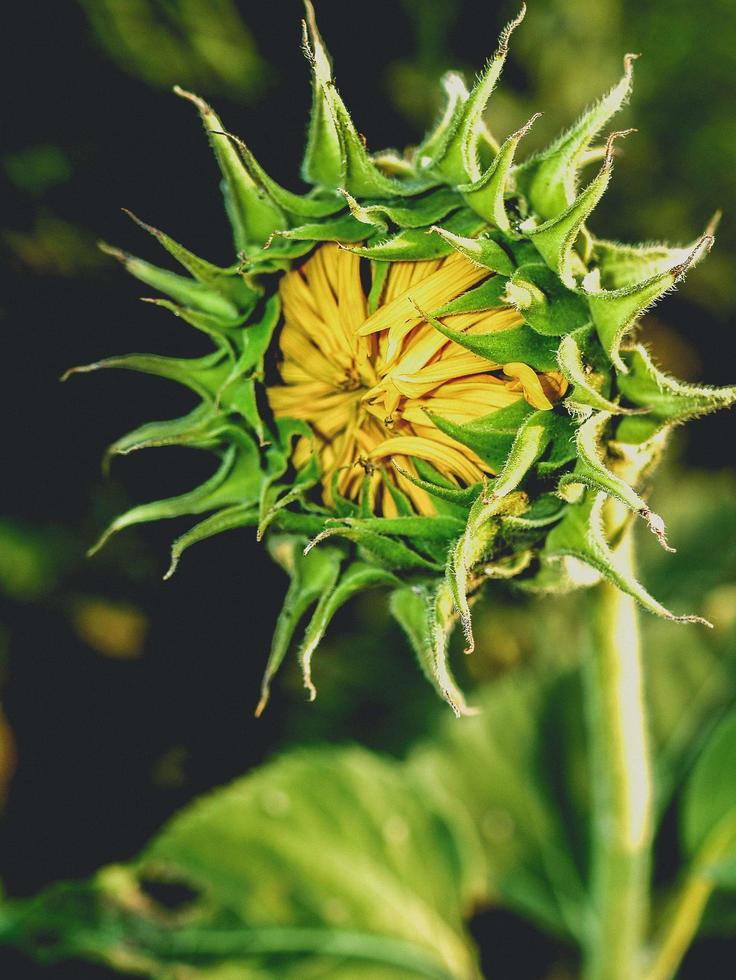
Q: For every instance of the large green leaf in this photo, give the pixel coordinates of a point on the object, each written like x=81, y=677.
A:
x=327, y=862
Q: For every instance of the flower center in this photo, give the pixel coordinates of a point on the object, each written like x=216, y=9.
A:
x=366, y=372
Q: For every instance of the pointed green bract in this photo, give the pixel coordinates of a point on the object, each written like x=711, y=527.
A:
x=549, y=178
x=537, y=515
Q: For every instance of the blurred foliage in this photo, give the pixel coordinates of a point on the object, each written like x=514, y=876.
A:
x=204, y=46
x=337, y=862
x=38, y=168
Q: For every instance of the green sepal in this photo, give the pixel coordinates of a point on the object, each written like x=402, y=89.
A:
x=455, y=497
x=490, y=437
x=199, y=428
x=252, y=213
x=422, y=211
x=440, y=528
x=545, y=510
x=487, y=195
x=667, y=401
x=426, y=617
x=432, y=146
x=379, y=275
x=614, y=312
x=458, y=161
x=185, y=291
x=548, y=179
x=236, y=481
x=545, y=303
x=519, y=343
x=586, y=382
x=555, y=239
x=336, y=155
x=255, y=339
x=473, y=547
x=378, y=549
x=532, y=438
x=345, y=228
x=401, y=501
x=579, y=536
x=203, y=375
x=240, y=515
x=218, y=330
x=305, y=479
x=221, y=280
x=482, y=251
x=625, y=265
x=301, y=206
x=311, y=576
x=416, y=244
x=591, y=471
x=561, y=450
x=358, y=577
x=488, y=296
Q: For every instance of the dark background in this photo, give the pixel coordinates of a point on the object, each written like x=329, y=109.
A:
x=110, y=744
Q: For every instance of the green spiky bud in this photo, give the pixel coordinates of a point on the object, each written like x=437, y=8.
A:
x=460, y=393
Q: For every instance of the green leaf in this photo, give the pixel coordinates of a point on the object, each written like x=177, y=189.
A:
x=384, y=901
x=586, y=382
x=215, y=277
x=236, y=481
x=488, y=296
x=548, y=179
x=344, y=228
x=497, y=771
x=423, y=210
x=434, y=143
x=709, y=804
x=298, y=205
x=336, y=155
x=203, y=375
x=378, y=548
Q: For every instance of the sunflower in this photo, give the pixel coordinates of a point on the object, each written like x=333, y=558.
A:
x=368, y=383
x=457, y=390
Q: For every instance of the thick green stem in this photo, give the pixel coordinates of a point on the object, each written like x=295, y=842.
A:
x=622, y=787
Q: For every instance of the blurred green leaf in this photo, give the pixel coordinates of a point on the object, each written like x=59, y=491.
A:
x=709, y=805
x=326, y=862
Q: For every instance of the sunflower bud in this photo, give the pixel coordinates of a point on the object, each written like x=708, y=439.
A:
x=422, y=375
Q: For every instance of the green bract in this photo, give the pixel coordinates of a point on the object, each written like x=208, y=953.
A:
x=539, y=521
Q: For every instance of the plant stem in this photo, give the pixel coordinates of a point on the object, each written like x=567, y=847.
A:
x=681, y=923
x=621, y=784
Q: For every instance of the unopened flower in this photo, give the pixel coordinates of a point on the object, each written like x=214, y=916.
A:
x=423, y=374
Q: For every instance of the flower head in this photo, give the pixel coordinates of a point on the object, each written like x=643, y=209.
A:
x=452, y=388
x=367, y=381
